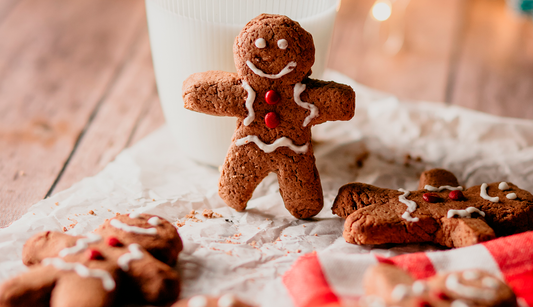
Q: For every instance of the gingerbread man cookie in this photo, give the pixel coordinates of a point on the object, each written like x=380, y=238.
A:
x=104, y=268
x=440, y=211
x=388, y=285
x=276, y=104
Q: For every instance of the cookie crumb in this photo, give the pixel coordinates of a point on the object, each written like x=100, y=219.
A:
x=91, y=212
x=57, y=204
x=361, y=158
x=180, y=224
x=64, y=229
x=208, y=213
x=316, y=235
x=303, y=226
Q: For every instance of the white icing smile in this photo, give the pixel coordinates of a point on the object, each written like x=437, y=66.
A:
x=268, y=148
x=145, y=231
x=287, y=69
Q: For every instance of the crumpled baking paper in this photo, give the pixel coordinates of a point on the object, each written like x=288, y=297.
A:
x=388, y=143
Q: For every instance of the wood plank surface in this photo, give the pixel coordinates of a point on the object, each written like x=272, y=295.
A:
x=419, y=71
x=112, y=127
x=495, y=68
x=57, y=60
x=77, y=83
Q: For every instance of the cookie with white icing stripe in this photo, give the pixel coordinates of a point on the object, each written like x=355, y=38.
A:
x=276, y=104
x=388, y=285
x=440, y=211
x=106, y=268
x=158, y=236
x=227, y=300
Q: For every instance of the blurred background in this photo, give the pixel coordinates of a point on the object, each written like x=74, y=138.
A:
x=77, y=83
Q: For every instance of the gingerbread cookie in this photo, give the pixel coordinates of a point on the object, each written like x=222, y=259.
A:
x=227, y=300
x=388, y=285
x=440, y=211
x=104, y=268
x=276, y=104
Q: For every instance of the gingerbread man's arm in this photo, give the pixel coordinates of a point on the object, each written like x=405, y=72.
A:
x=215, y=93
x=157, y=282
x=31, y=288
x=354, y=196
x=334, y=101
x=46, y=244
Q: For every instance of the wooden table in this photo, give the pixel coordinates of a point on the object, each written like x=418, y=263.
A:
x=77, y=83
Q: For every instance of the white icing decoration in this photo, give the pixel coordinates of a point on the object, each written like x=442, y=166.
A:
x=443, y=187
x=419, y=287
x=134, y=215
x=470, y=275
x=268, y=148
x=459, y=303
x=134, y=254
x=81, y=244
x=145, y=231
x=490, y=282
x=154, y=221
x=227, y=300
x=283, y=44
x=299, y=88
x=464, y=213
x=503, y=186
x=400, y=292
x=483, y=194
x=511, y=196
x=372, y=301
x=249, y=103
x=197, y=301
x=260, y=43
x=83, y=271
x=411, y=206
x=453, y=284
x=287, y=69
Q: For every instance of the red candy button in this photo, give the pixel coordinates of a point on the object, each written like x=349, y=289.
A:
x=94, y=254
x=423, y=304
x=272, y=97
x=272, y=120
x=456, y=195
x=431, y=197
x=114, y=242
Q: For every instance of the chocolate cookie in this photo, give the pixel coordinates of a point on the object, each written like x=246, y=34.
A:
x=388, y=285
x=276, y=104
x=440, y=212
x=104, y=268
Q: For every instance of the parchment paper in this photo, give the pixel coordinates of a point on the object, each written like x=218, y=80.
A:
x=388, y=143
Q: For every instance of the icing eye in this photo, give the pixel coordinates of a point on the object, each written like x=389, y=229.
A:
x=283, y=44
x=260, y=43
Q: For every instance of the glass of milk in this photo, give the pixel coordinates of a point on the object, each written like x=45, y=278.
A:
x=189, y=36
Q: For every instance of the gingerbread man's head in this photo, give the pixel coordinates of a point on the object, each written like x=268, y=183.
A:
x=273, y=49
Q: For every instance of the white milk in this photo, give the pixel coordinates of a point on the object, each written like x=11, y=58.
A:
x=189, y=36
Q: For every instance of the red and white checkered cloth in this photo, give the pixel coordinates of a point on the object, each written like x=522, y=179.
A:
x=323, y=278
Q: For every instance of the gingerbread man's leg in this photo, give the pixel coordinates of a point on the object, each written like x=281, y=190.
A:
x=73, y=290
x=459, y=232
x=299, y=185
x=29, y=289
x=243, y=170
